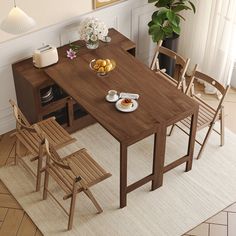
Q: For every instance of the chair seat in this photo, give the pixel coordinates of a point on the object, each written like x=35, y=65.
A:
x=56, y=134
x=83, y=166
x=205, y=116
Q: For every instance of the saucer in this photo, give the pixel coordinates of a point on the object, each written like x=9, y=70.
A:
x=120, y=108
x=114, y=99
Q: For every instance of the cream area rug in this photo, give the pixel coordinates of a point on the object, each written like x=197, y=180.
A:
x=184, y=201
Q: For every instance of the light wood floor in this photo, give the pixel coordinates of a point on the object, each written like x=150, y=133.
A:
x=13, y=219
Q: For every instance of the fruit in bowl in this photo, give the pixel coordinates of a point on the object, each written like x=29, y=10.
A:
x=102, y=66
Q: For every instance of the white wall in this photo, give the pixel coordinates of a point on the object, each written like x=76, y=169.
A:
x=45, y=13
x=129, y=17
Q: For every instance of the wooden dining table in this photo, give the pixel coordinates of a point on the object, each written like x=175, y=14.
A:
x=160, y=105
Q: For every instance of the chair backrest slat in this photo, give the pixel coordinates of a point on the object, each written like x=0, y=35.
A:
x=154, y=63
x=54, y=156
x=179, y=60
x=206, y=79
x=21, y=120
x=211, y=81
x=181, y=64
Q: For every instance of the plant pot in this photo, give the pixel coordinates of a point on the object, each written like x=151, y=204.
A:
x=166, y=62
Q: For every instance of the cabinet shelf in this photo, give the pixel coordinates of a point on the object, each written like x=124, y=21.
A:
x=51, y=94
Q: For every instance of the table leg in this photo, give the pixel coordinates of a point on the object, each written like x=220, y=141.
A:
x=159, y=157
x=191, y=142
x=123, y=175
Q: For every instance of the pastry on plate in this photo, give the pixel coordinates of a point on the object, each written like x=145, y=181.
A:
x=126, y=103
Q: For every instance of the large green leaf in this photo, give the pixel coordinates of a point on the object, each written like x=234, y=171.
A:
x=168, y=30
x=170, y=15
x=177, y=19
x=154, y=16
x=179, y=8
x=185, y=2
x=193, y=6
x=159, y=35
x=153, y=29
x=176, y=29
x=180, y=16
x=158, y=17
x=151, y=1
x=173, y=18
x=163, y=3
x=150, y=23
x=162, y=11
x=166, y=20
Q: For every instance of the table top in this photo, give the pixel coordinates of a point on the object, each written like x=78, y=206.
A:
x=160, y=103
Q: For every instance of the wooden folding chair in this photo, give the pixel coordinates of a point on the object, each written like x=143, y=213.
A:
x=208, y=115
x=27, y=136
x=74, y=173
x=181, y=66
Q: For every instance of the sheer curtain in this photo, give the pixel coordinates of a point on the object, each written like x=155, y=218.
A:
x=209, y=38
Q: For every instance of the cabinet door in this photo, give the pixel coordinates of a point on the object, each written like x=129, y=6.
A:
x=78, y=118
x=75, y=111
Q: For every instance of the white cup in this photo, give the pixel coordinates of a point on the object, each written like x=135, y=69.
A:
x=112, y=94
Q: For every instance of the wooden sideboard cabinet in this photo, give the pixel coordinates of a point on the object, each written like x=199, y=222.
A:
x=39, y=97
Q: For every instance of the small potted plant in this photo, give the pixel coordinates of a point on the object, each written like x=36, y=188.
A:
x=165, y=25
x=165, y=21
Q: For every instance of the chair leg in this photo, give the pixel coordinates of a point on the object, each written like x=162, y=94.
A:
x=205, y=140
x=171, y=130
x=15, y=158
x=184, y=86
x=45, y=189
x=222, y=127
x=39, y=168
x=72, y=207
x=39, y=174
x=17, y=150
x=94, y=201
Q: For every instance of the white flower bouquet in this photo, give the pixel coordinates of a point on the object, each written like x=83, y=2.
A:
x=92, y=30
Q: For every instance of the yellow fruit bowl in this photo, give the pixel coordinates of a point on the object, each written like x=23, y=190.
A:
x=102, y=66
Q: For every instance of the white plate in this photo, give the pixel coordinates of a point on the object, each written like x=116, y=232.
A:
x=116, y=97
x=120, y=108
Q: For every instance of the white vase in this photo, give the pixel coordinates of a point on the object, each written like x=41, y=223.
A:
x=92, y=44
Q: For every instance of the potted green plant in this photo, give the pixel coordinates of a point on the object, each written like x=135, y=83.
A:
x=165, y=24
x=166, y=19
